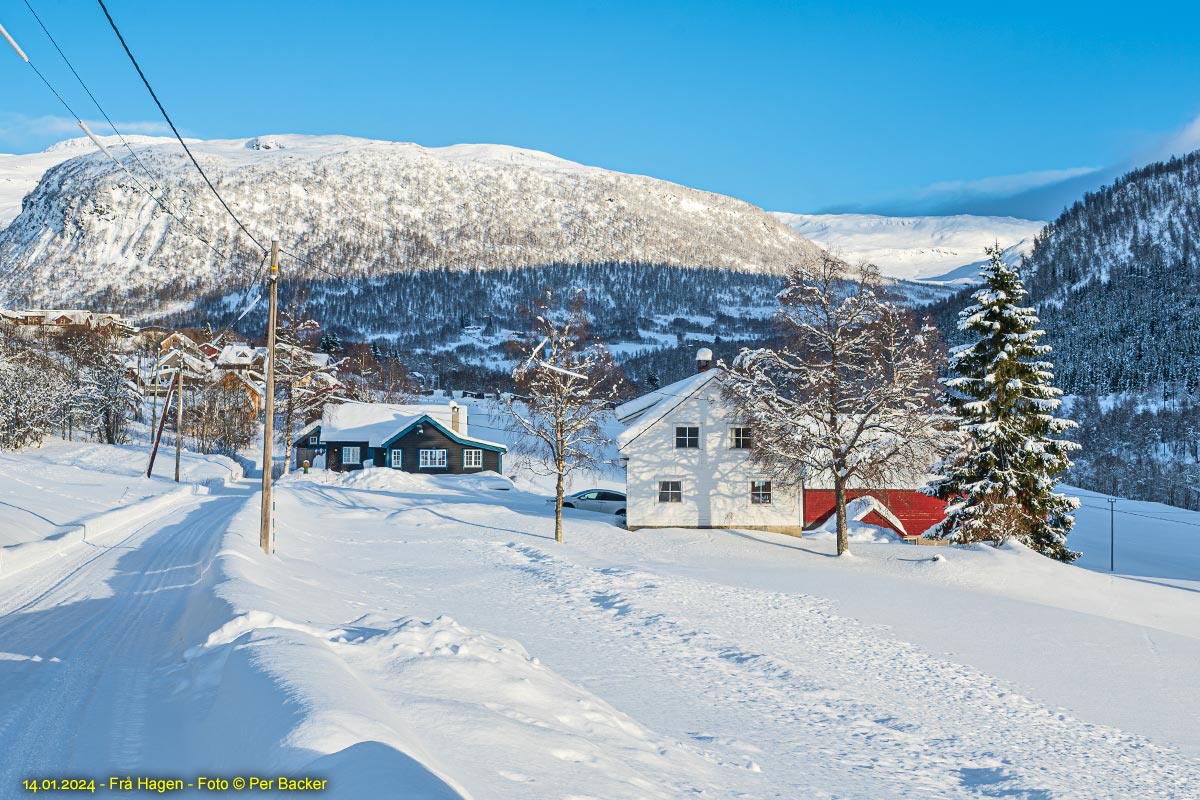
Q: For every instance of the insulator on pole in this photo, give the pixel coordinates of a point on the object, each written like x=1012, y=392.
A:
x=83, y=125
x=14, y=44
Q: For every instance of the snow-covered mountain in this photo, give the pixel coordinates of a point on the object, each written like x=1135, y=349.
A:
x=19, y=174
x=358, y=208
x=948, y=249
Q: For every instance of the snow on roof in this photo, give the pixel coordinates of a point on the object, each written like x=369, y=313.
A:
x=307, y=429
x=376, y=423
x=648, y=409
x=238, y=353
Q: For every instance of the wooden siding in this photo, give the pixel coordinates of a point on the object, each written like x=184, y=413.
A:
x=411, y=444
x=333, y=455
x=432, y=439
x=916, y=511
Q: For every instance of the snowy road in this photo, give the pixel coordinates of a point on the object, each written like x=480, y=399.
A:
x=85, y=642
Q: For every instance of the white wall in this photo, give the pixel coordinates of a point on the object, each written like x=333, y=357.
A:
x=716, y=478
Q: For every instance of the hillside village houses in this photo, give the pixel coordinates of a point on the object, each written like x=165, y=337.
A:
x=66, y=320
x=688, y=464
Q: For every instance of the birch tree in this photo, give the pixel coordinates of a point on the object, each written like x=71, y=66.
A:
x=568, y=381
x=302, y=380
x=850, y=395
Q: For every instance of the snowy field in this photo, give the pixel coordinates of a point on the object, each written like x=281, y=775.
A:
x=420, y=637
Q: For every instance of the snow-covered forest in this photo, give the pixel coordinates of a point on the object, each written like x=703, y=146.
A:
x=1115, y=280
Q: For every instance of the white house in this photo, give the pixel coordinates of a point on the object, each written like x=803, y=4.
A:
x=687, y=457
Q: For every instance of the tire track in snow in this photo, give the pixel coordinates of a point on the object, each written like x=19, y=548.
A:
x=924, y=726
x=110, y=621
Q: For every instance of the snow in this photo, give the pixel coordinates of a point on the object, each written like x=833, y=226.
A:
x=375, y=422
x=642, y=412
x=427, y=633
x=85, y=229
x=856, y=510
x=948, y=249
x=19, y=174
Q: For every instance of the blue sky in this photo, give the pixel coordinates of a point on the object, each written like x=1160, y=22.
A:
x=875, y=106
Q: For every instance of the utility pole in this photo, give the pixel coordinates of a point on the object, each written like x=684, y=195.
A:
x=161, y=423
x=154, y=411
x=1112, y=533
x=264, y=532
x=178, y=411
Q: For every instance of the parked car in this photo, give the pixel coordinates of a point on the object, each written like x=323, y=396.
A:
x=602, y=501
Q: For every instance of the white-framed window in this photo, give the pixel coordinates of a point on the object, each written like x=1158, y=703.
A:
x=351, y=455
x=396, y=459
x=433, y=459
x=760, y=493
x=687, y=436
x=314, y=440
x=739, y=438
x=670, y=491
x=472, y=459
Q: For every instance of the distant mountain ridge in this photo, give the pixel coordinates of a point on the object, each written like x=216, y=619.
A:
x=1116, y=282
x=358, y=208
x=929, y=248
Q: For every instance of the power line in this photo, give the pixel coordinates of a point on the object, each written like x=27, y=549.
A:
x=96, y=102
x=159, y=200
x=1146, y=516
x=175, y=130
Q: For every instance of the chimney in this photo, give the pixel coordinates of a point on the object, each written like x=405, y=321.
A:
x=703, y=359
x=454, y=416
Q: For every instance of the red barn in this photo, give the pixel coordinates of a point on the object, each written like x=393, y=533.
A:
x=916, y=511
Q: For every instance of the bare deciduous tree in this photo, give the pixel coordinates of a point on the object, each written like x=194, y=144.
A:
x=568, y=381
x=851, y=394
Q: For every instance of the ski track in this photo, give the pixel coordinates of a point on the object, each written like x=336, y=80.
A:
x=102, y=633
x=862, y=711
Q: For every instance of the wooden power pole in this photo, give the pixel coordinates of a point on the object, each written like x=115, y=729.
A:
x=264, y=533
x=178, y=412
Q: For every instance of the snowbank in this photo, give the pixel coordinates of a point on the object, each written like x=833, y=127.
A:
x=59, y=495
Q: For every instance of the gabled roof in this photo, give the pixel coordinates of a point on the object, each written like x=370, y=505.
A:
x=306, y=430
x=642, y=412
x=379, y=423
x=451, y=435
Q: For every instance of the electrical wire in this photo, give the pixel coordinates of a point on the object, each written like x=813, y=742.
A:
x=175, y=130
x=95, y=102
x=158, y=200
x=1146, y=516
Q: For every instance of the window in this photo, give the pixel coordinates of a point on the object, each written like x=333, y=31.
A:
x=433, y=459
x=472, y=459
x=351, y=455
x=612, y=497
x=739, y=438
x=687, y=436
x=590, y=496
x=760, y=493
x=670, y=491
x=314, y=440
x=397, y=459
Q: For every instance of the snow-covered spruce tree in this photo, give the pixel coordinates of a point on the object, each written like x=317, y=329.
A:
x=850, y=397
x=1001, y=483
x=567, y=380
